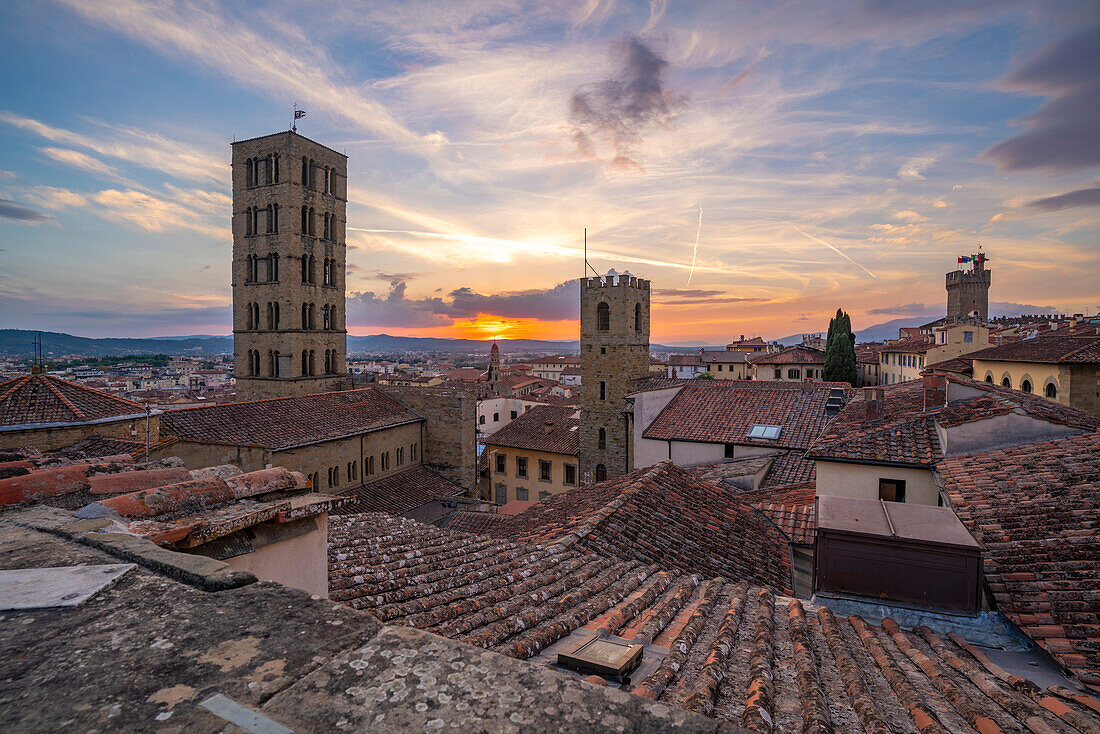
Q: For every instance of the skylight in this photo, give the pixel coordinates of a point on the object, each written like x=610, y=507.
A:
x=765, y=432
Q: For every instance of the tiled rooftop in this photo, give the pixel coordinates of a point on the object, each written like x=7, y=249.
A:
x=542, y=428
x=281, y=423
x=721, y=647
x=1036, y=511
x=790, y=355
x=916, y=345
x=398, y=493
x=725, y=415
x=659, y=515
x=1060, y=349
x=36, y=399
x=905, y=433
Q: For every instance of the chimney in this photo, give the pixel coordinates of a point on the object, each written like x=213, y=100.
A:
x=742, y=337
x=874, y=399
x=935, y=390
x=548, y=426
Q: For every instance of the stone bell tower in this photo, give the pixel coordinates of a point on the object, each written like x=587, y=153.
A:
x=614, y=363
x=289, y=256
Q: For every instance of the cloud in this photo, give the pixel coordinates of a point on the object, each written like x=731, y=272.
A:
x=616, y=111
x=12, y=210
x=1008, y=308
x=907, y=309
x=1062, y=135
x=366, y=308
x=914, y=168
x=55, y=198
x=80, y=160
x=146, y=149
x=153, y=214
x=288, y=65
x=1080, y=197
x=908, y=215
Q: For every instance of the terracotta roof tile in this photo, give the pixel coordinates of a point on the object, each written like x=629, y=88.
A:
x=542, y=428
x=281, y=423
x=35, y=399
x=400, y=492
x=790, y=355
x=1057, y=349
x=1036, y=511
x=725, y=415
x=735, y=651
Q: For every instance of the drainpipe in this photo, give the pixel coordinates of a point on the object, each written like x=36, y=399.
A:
x=147, y=433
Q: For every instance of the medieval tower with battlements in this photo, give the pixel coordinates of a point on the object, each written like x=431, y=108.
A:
x=968, y=291
x=289, y=254
x=614, y=363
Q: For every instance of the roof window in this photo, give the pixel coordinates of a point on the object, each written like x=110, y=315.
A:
x=765, y=432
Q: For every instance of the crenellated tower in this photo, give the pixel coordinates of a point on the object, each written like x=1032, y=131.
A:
x=289, y=258
x=968, y=290
x=614, y=363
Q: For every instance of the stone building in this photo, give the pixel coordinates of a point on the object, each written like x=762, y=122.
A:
x=614, y=362
x=534, y=456
x=50, y=413
x=289, y=202
x=968, y=291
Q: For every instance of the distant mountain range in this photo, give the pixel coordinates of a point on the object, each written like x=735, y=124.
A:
x=19, y=343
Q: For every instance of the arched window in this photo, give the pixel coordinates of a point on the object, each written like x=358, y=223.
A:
x=601, y=472
x=602, y=442
x=273, y=269
x=989, y=377
x=248, y=222
x=305, y=316
x=637, y=317
x=312, y=222
x=328, y=226
x=603, y=390
x=270, y=219
x=305, y=171
x=1051, y=390
x=305, y=219
x=312, y=269
x=275, y=168
x=1006, y=382
x=326, y=180
x=274, y=363
x=603, y=317
x=305, y=362
x=312, y=363
x=1026, y=385
x=370, y=465
x=249, y=181
x=305, y=268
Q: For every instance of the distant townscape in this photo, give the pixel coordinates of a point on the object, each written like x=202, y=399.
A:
x=306, y=530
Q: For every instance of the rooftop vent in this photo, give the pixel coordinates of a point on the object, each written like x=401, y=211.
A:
x=602, y=656
x=765, y=432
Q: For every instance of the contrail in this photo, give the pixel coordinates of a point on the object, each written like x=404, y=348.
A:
x=823, y=242
x=695, y=251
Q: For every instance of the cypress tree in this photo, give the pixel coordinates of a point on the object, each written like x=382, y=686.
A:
x=840, y=351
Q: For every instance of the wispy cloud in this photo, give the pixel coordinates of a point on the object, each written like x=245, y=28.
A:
x=13, y=210
x=80, y=160
x=1080, y=197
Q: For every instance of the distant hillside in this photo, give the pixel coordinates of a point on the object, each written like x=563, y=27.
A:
x=874, y=333
x=20, y=343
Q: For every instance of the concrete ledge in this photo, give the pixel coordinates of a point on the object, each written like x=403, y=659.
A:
x=199, y=571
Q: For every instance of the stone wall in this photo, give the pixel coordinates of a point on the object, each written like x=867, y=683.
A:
x=968, y=291
x=450, y=429
x=48, y=439
x=616, y=359
x=322, y=192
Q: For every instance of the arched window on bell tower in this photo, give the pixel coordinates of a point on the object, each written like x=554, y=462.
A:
x=603, y=317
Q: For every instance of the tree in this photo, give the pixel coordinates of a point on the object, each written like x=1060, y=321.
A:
x=840, y=351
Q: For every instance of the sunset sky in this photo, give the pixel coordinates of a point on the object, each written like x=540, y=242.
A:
x=819, y=154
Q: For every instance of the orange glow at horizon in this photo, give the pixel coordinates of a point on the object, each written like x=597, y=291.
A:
x=490, y=327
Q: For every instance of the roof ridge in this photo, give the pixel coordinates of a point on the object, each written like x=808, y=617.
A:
x=102, y=393
x=598, y=517
x=68, y=403
x=17, y=382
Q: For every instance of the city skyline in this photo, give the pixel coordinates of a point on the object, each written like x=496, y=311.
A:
x=761, y=166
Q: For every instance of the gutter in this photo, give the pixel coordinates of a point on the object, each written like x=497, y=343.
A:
x=70, y=424
x=874, y=462
x=325, y=440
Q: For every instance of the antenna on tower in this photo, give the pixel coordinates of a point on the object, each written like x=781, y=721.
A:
x=36, y=367
x=588, y=264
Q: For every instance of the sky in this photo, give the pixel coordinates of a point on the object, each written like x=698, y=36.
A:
x=762, y=163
